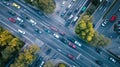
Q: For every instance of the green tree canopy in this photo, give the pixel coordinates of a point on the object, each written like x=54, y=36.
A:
x=46, y=6
x=85, y=31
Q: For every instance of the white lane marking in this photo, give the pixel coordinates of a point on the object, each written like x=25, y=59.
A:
x=78, y=56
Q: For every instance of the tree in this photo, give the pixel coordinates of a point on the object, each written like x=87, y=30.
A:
x=99, y=40
x=26, y=57
x=48, y=64
x=85, y=31
x=62, y=65
x=9, y=45
x=1, y=29
x=46, y=6
x=96, y=2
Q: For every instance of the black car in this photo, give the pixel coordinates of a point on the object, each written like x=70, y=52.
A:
x=76, y=10
x=99, y=62
x=99, y=50
x=37, y=30
x=24, y=16
x=71, y=39
x=64, y=40
x=22, y=25
x=11, y=12
x=69, y=13
x=48, y=51
x=38, y=61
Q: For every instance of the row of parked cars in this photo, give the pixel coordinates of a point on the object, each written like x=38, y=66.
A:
x=106, y=21
x=100, y=51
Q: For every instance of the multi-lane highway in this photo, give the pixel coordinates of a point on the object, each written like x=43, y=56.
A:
x=88, y=55
x=100, y=12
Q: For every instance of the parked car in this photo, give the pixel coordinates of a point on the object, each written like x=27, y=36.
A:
x=48, y=51
x=38, y=61
x=113, y=18
x=99, y=62
x=63, y=2
x=76, y=10
x=63, y=13
x=70, y=17
x=106, y=21
x=75, y=19
x=118, y=22
x=98, y=50
x=112, y=59
x=74, y=0
x=103, y=24
x=119, y=9
x=69, y=13
x=12, y=20
x=69, y=6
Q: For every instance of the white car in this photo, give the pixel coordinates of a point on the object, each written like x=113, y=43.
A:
x=56, y=35
x=112, y=59
x=106, y=21
x=103, y=24
x=20, y=31
x=33, y=22
x=77, y=43
x=69, y=6
x=42, y=63
x=73, y=0
x=59, y=49
x=19, y=19
x=119, y=9
x=71, y=16
x=63, y=2
x=75, y=19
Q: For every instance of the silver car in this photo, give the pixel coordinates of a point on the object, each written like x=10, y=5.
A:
x=19, y=19
x=32, y=22
x=112, y=59
x=21, y=31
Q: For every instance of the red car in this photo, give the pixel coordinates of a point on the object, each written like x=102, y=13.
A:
x=53, y=28
x=113, y=18
x=12, y=20
x=72, y=45
x=71, y=56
